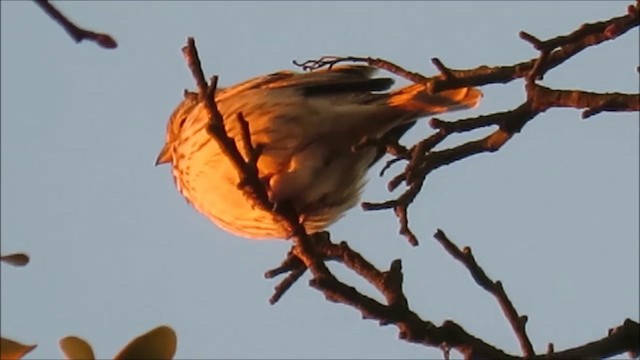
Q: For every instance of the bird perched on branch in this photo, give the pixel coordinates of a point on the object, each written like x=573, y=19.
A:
x=306, y=126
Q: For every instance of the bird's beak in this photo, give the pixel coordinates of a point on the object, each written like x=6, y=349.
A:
x=165, y=155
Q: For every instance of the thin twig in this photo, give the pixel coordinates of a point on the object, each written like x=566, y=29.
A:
x=247, y=145
x=540, y=99
x=250, y=182
x=495, y=288
x=286, y=284
x=77, y=33
x=330, y=61
x=588, y=35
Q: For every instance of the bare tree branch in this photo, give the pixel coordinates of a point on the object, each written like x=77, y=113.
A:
x=564, y=47
x=495, y=288
x=254, y=188
x=313, y=251
x=449, y=335
x=539, y=99
x=77, y=33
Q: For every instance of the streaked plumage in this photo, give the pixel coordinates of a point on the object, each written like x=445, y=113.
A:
x=306, y=124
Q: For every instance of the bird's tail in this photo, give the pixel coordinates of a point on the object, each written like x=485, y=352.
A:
x=415, y=98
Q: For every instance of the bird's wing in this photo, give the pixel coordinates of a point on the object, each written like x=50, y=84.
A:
x=334, y=81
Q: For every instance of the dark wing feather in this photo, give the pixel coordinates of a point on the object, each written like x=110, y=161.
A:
x=347, y=86
x=337, y=80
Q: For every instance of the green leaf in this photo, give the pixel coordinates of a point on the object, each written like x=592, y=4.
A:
x=75, y=348
x=12, y=350
x=18, y=259
x=159, y=343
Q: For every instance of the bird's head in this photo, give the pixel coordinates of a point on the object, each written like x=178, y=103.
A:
x=174, y=126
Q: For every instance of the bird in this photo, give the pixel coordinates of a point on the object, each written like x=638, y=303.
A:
x=307, y=125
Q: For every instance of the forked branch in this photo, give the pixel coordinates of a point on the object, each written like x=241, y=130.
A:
x=313, y=251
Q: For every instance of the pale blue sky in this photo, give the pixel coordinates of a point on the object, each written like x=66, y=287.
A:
x=116, y=251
